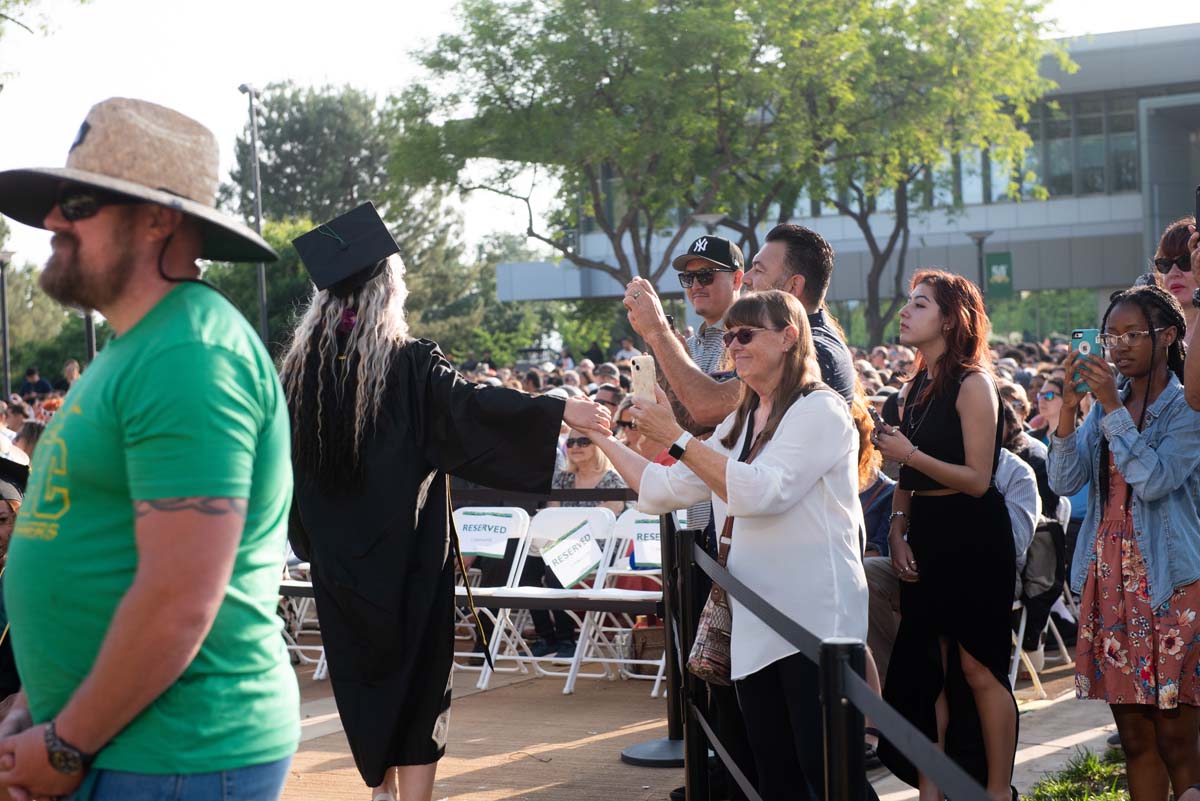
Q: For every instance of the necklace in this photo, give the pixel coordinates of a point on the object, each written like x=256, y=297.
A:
x=911, y=431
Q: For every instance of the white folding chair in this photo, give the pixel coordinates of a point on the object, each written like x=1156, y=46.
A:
x=300, y=618
x=547, y=526
x=604, y=635
x=1019, y=656
x=518, y=531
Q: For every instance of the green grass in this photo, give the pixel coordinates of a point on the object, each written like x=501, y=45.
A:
x=1087, y=777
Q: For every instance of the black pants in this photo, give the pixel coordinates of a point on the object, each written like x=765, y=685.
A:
x=725, y=712
x=538, y=574
x=782, y=707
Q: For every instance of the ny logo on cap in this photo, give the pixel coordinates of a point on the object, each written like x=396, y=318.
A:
x=700, y=245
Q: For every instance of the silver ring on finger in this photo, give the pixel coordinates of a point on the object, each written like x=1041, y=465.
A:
x=637, y=294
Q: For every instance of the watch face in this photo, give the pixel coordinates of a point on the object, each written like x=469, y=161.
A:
x=66, y=761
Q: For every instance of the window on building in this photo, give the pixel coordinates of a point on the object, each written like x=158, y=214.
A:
x=1060, y=161
x=972, y=176
x=1089, y=142
x=1122, y=143
x=1032, y=166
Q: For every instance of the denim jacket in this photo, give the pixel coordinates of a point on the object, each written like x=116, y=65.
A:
x=1162, y=464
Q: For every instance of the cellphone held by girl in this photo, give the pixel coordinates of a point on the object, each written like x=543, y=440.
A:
x=1085, y=342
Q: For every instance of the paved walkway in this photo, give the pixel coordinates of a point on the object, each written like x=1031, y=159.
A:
x=524, y=740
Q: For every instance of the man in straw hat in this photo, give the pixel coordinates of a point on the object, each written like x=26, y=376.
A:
x=145, y=564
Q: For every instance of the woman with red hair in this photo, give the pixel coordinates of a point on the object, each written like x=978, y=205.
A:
x=951, y=542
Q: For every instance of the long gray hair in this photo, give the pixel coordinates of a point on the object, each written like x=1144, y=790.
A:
x=337, y=371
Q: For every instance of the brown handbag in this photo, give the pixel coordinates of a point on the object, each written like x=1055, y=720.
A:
x=710, y=658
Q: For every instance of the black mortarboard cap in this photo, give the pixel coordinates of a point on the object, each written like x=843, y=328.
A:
x=13, y=473
x=346, y=252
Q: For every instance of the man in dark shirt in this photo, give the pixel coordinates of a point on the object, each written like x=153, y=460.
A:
x=34, y=384
x=799, y=261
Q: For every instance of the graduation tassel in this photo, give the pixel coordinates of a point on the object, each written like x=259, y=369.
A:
x=487, y=651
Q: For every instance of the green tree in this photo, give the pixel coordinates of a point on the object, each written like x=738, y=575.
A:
x=288, y=284
x=638, y=109
x=322, y=151
x=649, y=113
x=50, y=353
x=32, y=315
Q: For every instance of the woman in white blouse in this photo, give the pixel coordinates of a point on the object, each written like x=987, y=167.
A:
x=795, y=539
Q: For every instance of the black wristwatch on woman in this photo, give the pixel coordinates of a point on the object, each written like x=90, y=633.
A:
x=679, y=446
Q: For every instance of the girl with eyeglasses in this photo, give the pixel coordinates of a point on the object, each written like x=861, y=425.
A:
x=951, y=543
x=1173, y=265
x=1137, y=559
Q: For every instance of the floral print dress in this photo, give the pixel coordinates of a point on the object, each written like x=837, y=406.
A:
x=1127, y=652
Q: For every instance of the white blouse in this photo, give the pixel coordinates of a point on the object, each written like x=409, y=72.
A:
x=795, y=538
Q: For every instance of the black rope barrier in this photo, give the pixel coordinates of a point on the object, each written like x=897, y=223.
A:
x=843, y=686
x=735, y=772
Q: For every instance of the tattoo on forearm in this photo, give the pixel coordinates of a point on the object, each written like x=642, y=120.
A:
x=214, y=507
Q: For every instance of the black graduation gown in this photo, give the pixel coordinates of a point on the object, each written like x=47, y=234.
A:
x=382, y=570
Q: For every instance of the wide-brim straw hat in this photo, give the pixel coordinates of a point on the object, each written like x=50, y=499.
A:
x=145, y=151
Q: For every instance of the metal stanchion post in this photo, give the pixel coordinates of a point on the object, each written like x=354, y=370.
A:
x=845, y=760
x=693, y=690
x=666, y=752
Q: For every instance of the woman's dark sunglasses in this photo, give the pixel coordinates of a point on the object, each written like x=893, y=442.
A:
x=630, y=424
x=1183, y=262
x=81, y=202
x=705, y=277
x=742, y=335
x=580, y=442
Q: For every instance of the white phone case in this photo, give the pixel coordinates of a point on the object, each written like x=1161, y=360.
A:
x=643, y=378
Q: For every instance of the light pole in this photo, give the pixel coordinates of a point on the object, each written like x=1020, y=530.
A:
x=5, y=260
x=979, y=237
x=252, y=93
x=89, y=334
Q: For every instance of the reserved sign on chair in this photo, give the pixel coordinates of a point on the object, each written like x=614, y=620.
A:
x=573, y=556
x=485, y=533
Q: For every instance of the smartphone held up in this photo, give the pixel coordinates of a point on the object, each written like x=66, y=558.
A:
x=644, y=379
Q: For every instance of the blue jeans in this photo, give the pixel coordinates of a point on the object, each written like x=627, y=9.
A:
x=255, y=783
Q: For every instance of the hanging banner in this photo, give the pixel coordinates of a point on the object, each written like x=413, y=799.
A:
x=647, y=543
x=573, y=556
x=999, y=272
x=485, y=533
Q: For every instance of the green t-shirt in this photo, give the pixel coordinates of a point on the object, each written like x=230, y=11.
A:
x=185, y=404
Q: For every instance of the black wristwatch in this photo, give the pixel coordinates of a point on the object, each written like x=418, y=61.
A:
x=64, y=757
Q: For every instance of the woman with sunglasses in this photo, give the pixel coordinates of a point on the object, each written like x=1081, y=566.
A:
x=586, y=467
x=1173, y=263
x=951, y=543
x=1137, y=558
x=1049, y=405
x=782, y=470
x=626, y=429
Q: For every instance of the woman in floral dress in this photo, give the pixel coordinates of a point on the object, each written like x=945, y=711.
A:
x=1137, y=559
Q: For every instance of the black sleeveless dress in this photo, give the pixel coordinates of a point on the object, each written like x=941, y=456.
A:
x=966, y=559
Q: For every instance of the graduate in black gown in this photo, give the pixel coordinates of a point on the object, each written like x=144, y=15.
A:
x=378, y=421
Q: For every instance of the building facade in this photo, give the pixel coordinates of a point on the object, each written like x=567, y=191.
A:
x=1116, y=146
